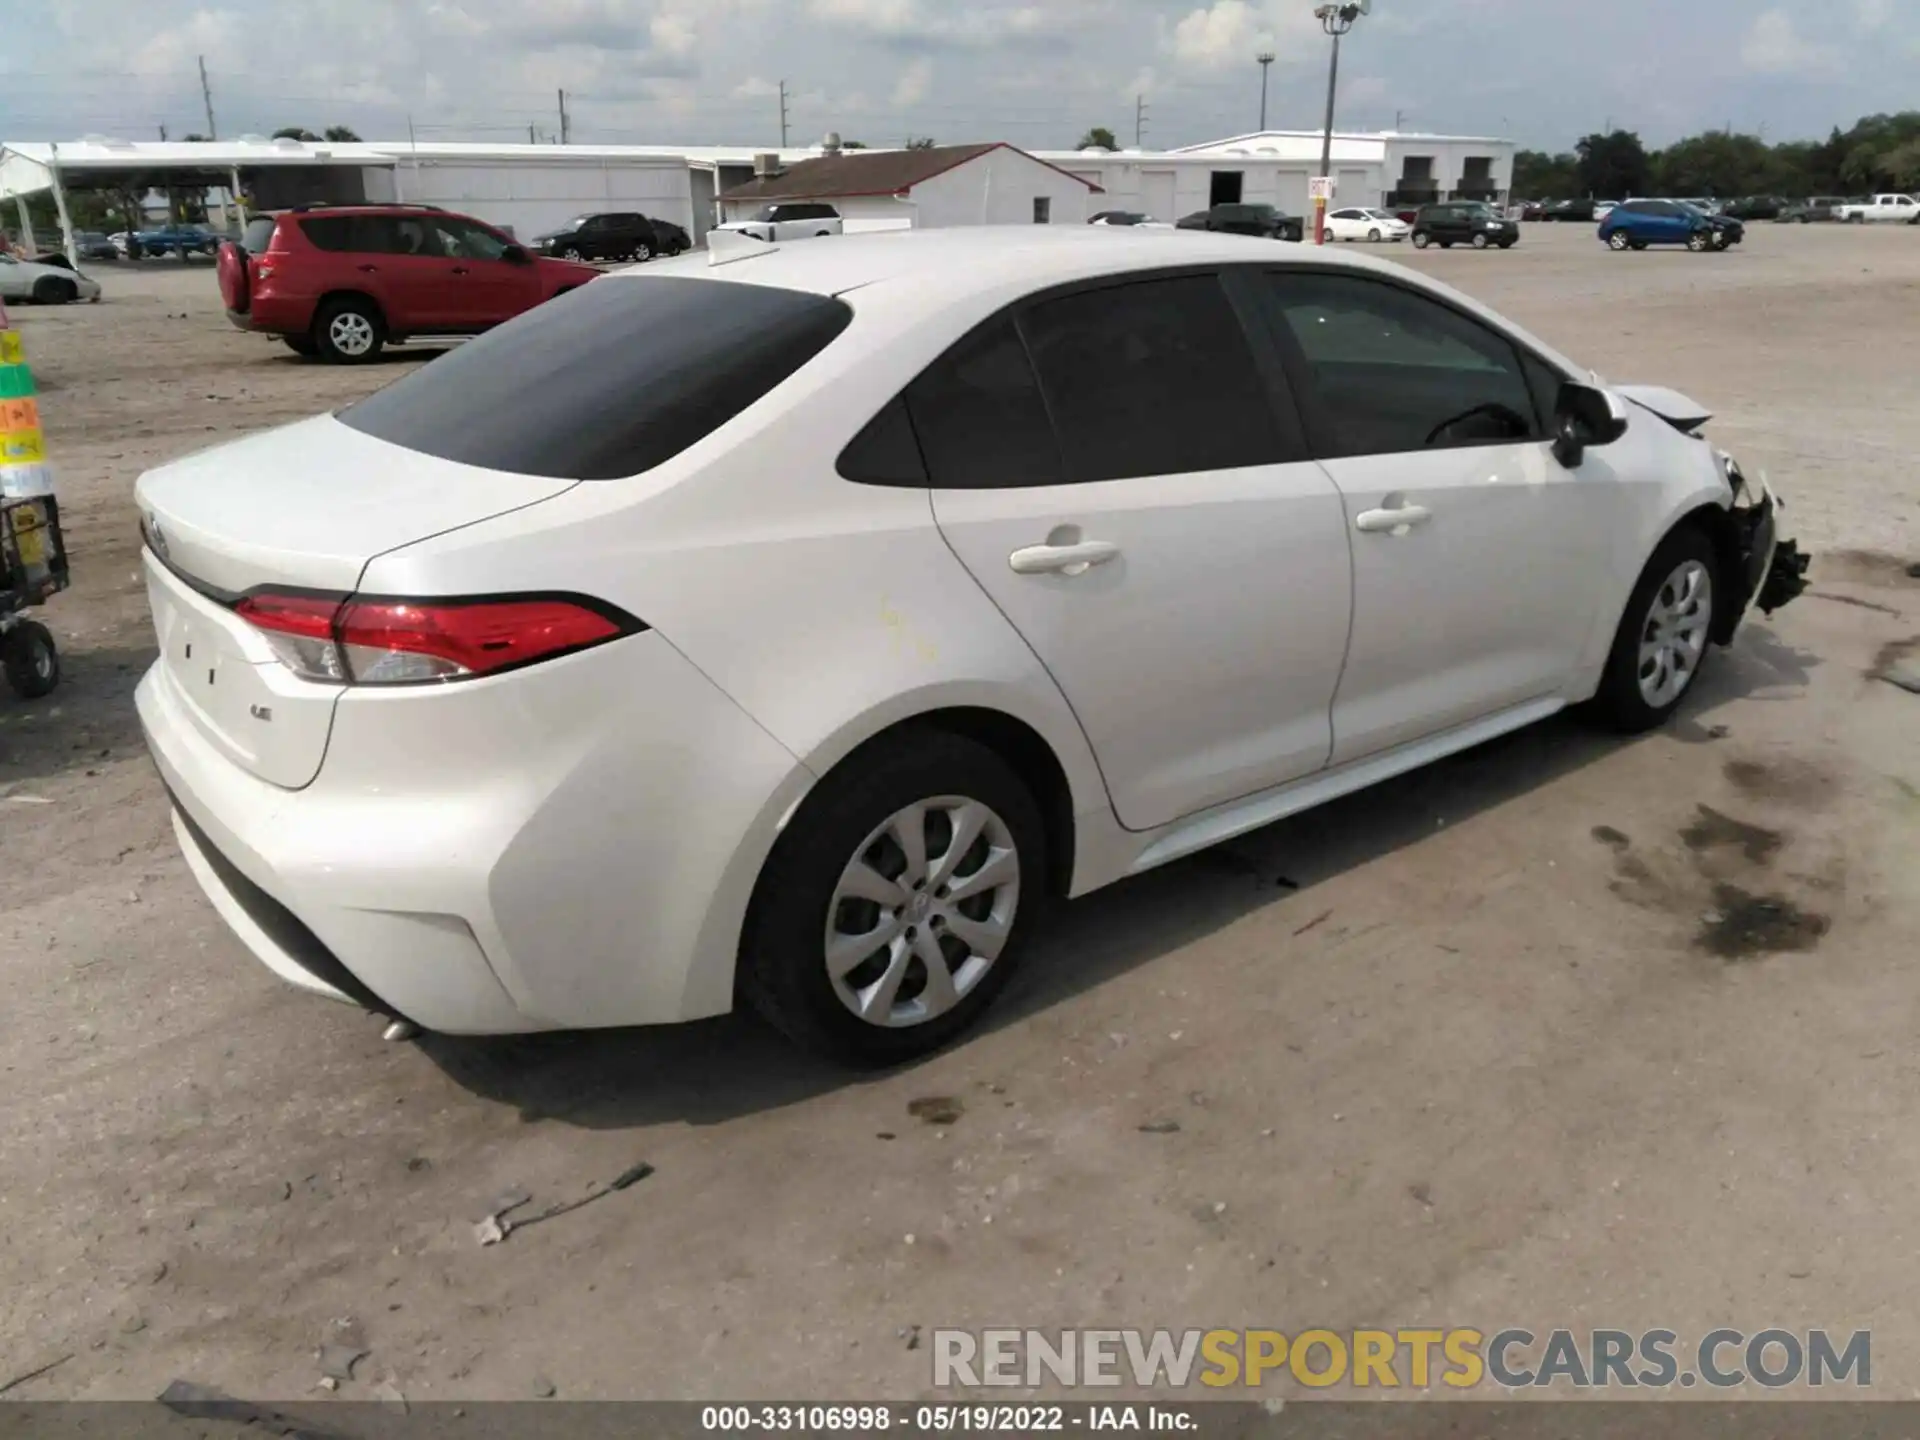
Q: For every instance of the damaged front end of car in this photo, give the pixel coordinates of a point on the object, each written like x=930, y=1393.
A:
x=1772, y=571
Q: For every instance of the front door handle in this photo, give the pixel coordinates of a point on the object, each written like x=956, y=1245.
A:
x=1391, y=520
x=460, y=270
x=369, y=269
x=1074, y=559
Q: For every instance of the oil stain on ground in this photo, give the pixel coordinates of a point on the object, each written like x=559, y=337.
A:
x=1745, y=925
x=1713, y=830
x=1798, y=783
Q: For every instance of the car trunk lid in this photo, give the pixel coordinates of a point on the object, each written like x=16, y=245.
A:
x=304, y=508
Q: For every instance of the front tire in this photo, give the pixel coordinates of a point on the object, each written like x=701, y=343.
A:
x=348, y=331
x=1618, y=240
x=1698, y=242
x=1664, y=634
x=1480, y=242
x=54, y=291
x=31, y=660
x=1373, y=236
x=893, y=909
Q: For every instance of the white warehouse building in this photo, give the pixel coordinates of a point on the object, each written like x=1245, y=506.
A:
x=1274, y=167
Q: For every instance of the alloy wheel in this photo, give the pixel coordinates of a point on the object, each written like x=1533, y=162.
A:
x=922, y=911
x=1673, y=637
x=351, y=333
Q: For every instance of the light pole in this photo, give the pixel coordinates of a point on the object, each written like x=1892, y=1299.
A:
x=1265, y=57
x=1336, y=20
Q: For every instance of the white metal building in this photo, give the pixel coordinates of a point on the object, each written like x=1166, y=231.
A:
x=1274, y=167
x=529, y=189
x=994, y=184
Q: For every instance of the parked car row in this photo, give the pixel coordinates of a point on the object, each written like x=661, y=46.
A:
x=1263, y=220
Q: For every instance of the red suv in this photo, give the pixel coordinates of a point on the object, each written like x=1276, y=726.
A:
x=340, y=281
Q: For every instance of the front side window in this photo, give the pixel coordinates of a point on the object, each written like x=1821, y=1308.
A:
x=1394, y=372
x=466, y=240
x=1151, y=378
x=394, y=235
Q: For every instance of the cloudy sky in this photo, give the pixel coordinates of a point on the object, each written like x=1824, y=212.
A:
x=1036, y=72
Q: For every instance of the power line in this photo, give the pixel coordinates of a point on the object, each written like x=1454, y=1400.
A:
x=1139, y=120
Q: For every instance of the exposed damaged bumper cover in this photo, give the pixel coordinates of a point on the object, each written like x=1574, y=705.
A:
x=1775, y=569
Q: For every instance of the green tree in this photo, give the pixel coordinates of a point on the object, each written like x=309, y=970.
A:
x=342, y=135
x=1612, y=167
x=1099, y=135
x=853, y=144
x=1717, y=164
x=1540, y=176
x=294, y=132
x=920, y=142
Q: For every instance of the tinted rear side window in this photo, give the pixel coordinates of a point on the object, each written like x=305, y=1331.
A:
x=979, y=416
x=329, y=232
x=1151, y=378
x=259, y=233
x=607, y=381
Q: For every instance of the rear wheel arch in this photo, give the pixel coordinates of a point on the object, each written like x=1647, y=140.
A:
x=358, y=296
x=1023, y=748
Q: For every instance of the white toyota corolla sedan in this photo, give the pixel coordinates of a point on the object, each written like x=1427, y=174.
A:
x=796, y=628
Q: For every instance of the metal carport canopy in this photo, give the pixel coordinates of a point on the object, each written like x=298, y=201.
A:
x=30, y=167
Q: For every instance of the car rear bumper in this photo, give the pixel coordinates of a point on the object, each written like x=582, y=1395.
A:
x=567, y=847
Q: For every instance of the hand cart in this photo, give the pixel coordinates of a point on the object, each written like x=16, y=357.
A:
x=33, y=567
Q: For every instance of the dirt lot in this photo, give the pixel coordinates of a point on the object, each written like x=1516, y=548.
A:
x=1566, y=1031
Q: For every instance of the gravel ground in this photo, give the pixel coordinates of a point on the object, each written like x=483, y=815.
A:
x=1460, y=1051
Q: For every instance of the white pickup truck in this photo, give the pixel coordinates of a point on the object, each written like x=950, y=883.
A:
x=1900, y=209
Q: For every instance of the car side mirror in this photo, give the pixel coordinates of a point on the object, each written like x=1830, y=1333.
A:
x=1583, y=416
x=516, y=255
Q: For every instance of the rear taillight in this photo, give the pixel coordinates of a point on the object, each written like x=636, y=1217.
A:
x=411, y=642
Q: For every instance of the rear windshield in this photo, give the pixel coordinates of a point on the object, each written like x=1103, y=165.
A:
x=606, y=381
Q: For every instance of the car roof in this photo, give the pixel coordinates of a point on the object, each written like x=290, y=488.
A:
x=982, y=259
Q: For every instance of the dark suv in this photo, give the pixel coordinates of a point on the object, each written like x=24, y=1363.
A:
x=341, y=281
x=615, y=235
x=1464, y=222
x=1264, y=220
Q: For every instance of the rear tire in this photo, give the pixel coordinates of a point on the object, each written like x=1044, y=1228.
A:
x=1374, y=236
x=1660, y=610
x=31, y=660
x=1421, y=239
x=642, y=252
x=348, y=331
x=1698, y=242
x=803, y=902
x=1618, y=240
x=573, y=253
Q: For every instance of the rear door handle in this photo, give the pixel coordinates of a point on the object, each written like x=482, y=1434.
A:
x=369, y=269
x=461, y=270
x=1389, y=521
x=1062, y=559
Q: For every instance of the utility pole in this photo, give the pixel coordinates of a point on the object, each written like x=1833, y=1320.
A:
x=1336, y=20
x=531, y=140
x=1265, y=57
x=783, y=114
x=1398, y=116
x=163, y=132
x=1139, y=120
x=566, y=127
x=206, y=94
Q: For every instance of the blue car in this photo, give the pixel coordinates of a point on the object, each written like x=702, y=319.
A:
x=1636, y=224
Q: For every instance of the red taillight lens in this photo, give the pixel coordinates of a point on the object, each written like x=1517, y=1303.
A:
x=408, y=642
